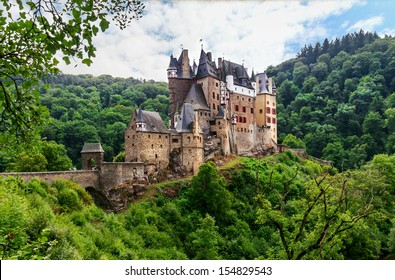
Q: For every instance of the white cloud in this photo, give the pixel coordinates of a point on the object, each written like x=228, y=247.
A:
x=367, y=24
x=254, y=31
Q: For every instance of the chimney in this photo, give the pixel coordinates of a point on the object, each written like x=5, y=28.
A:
x=209, y=57
x=185, y=65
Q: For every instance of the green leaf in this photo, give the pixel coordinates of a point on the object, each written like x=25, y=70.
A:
x=87, y=61
x=66, y=59
x=104, y=24
x=76, y=14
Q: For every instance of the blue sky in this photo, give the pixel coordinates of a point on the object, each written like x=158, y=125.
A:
x=258, y=33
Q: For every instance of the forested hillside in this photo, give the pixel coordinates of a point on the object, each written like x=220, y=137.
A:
x=279, y=207
x=338, y=97
x=84, y=108
x=97, y=109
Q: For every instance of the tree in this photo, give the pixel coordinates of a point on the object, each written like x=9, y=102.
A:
x=205, y=240
x=208, y=192
x=33, y=33
x=294, y=142
x=316, y=223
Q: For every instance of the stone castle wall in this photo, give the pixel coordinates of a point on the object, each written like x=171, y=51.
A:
x=110, y=175
x=114, y=173
x=86, y=178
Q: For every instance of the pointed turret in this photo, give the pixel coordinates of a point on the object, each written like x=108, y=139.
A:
x=253, y=77
x=172, y=69
x=140, y=123
x=206, y=66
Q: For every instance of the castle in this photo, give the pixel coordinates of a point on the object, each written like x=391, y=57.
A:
x=215, y=108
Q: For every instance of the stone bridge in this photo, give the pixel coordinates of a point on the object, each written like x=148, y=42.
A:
x=110, y=175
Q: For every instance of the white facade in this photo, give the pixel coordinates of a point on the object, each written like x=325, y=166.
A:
x=238, y=89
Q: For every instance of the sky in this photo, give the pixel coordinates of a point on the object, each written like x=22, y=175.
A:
x=256, y=33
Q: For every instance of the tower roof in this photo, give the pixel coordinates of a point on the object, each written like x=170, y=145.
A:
x=153, y=121
x=263, y=83
x=239, y=73
x=187, y=118
x=253, y=77
x=172, y=63
x=197, y=98
x=206, y=66
x=92, y=148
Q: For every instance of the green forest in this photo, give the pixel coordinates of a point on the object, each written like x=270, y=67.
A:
x=278, y=207
x=335, y=99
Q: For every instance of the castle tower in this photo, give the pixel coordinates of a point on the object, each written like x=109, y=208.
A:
x=140, y=123
x=207, y=75
x=92, y=156
x=266, y=106
x=192, y=141
x=147, y=140
x=179, y=74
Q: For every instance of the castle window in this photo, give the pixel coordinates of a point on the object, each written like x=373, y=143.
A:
x=152, y=146
x=236, y=108
x=166, y=136
x=156, y=156
x=242, y=97
x=216, y=84
x=267, y=103
x=260, y=111
x=160, y=136
x=149, y=135
x=252, y=110
x=245, y=120
x=273, y=120
x=249, y=99
x=238, y=97
x=217, y=96
x=244, y=109
x=174, y=140
x=273, y=111
x=273, y=104
x=214, y=106
x=213, y=95
x=161, y=146
x=267, y=110
x=189, y=139
x=268, y=120
x=201, y=114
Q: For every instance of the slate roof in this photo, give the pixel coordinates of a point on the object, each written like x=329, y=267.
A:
x=92, y=148
x=239, y=73
x=153, y=121
x=253, y=77
x=187, y=118
x=206, y=67
x=263, y=83
x=197, y=98
x=177, y=64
